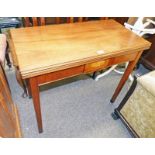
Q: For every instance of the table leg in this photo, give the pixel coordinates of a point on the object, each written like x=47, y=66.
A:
x=7, y=57
x=36, y=101
x=125, y=76
x=94, y=75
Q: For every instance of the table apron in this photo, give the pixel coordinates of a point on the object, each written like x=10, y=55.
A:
x=83, y=69
x=99, y=65
x=59, y=75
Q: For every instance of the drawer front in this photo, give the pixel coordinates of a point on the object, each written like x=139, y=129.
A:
x=96, y=66
x=99, y=65
x=59, y=75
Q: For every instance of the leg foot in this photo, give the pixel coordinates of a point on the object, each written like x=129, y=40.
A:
x=30, y=97
x=114, y=115
x=8, y=60
x=111, y=101
x=94, y=75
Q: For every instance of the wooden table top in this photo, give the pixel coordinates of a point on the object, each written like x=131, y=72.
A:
x=44, y=49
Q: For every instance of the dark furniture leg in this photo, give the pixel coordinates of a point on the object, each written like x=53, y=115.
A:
x=116, y=114
x=7, y=56
x=94, y=75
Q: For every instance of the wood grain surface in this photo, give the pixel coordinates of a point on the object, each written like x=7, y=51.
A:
x=9, y=118
x=45, y=49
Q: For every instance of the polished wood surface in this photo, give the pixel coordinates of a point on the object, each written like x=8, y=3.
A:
x=40, y=21
x=59, y=75
x=57, y=47
x=33, y=21
x=72, y=19
x=26, y=21
x=9, y=119
x=49, y=53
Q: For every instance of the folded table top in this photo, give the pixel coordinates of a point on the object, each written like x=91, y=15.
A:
x=44, y=49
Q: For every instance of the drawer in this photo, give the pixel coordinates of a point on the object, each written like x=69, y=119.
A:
x=59, y=75
x=99, y=65
x=96, y=66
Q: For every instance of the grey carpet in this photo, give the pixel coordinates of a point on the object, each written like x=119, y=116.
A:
x=77, y=107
